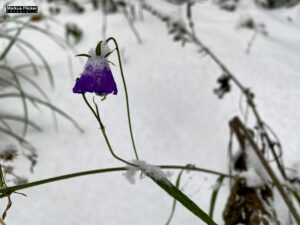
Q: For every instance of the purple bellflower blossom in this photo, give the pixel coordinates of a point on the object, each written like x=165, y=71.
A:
x=96, y=76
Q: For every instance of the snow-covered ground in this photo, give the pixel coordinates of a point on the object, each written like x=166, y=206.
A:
x=175, y=115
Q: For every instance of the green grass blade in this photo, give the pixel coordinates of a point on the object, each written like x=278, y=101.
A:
x=55, y=38
x=47, y=104
x=14, y=117
x=12, y=42
x=41, y=57
x=8, y=82
x=22, y=95
x=11, y=189
x=165, y=184
x=29, y=58
x=22, y=140
x=39, y=89
x=5, y=124
x=174, y=200
x=215, y=195
x=20, y=119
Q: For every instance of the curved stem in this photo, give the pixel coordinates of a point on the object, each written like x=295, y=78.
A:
x=126, y=95
x=9, y=190
x=97, y=116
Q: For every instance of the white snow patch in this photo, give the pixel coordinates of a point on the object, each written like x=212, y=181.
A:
x=150, y=170
x=254, y=163
x=252, y=178
x=98, y=62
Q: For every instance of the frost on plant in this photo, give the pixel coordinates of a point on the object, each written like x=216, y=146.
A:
x=96, y=76
x=150, y=170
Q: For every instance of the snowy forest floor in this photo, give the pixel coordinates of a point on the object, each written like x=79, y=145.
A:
x=176, y=117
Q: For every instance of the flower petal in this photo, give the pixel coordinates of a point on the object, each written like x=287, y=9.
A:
x=96, y=77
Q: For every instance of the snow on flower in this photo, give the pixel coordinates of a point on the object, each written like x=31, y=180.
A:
x=96, y=76
x=150, y=170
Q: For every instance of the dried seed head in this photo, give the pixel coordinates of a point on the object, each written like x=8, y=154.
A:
x=9, y=153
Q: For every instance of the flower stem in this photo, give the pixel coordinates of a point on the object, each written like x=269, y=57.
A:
x=8, y=190
x=126, y=95
x=97, y=116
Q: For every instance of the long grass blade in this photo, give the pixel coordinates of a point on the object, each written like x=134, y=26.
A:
x=20, y=119
x=22, y=95
x=214, y=195
x=29, y=58
x=41, y=57
x=174, y=200
x=14, y=117
x=165, y=184
x=5, y=124
x=20, y=139
x=39, y=89
x=47, y=104
x=12, y=42
x=68, y=176
x=55, y=38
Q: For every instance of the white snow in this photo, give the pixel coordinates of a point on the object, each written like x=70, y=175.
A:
x=176, y=117
x=153, y=171
x=255, y=167
x=252, y=178
x=98, y=62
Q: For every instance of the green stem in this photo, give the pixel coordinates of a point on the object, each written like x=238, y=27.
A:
x=97, y=116
x=191, y=168
x=8, y=190
x=126, y=95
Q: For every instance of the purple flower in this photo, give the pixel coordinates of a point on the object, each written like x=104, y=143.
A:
x=96, y=77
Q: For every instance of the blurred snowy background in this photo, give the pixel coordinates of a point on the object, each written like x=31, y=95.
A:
x=176, y=117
